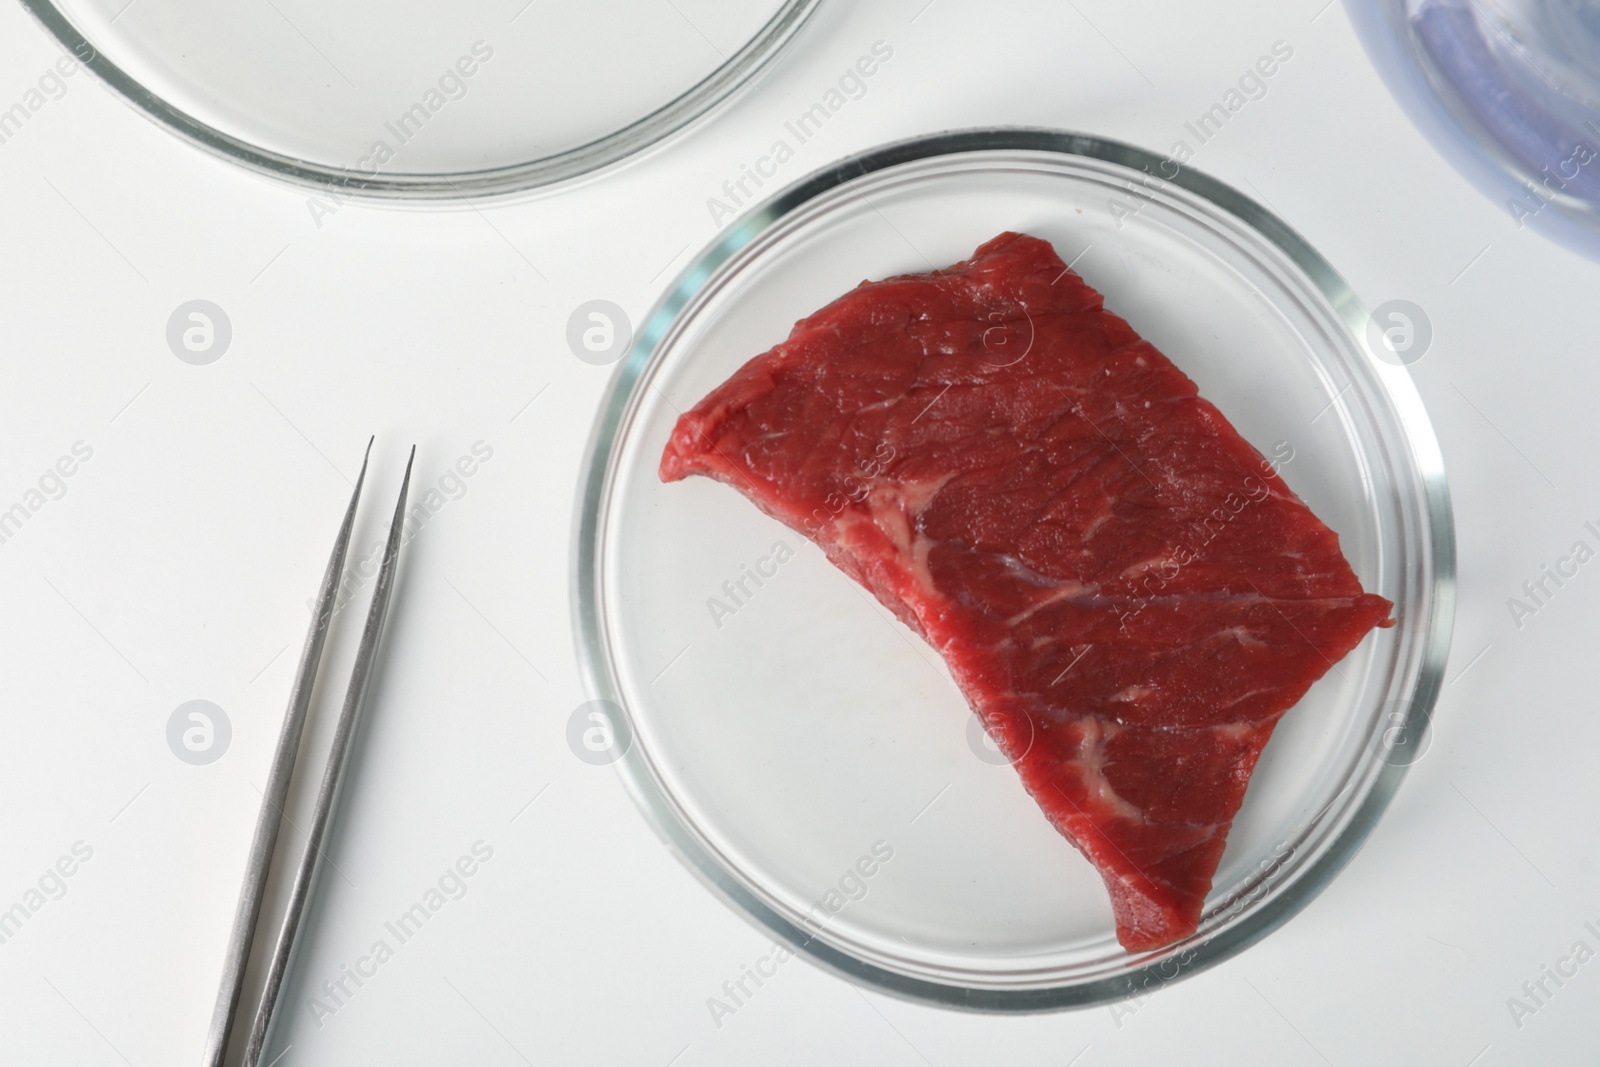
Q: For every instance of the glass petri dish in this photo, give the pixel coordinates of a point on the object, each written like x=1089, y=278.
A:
x=417, y=99
x=786, y=749
x=1511, y=85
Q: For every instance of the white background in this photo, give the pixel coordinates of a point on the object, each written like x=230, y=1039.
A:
x=178, y=564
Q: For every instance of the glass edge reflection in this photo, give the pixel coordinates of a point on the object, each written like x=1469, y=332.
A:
x=721, y=86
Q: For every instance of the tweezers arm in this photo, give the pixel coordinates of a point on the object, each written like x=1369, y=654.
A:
x=309, y=869
x=270, y=817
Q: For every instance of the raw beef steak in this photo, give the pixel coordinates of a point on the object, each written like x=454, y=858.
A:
x=1125, y=590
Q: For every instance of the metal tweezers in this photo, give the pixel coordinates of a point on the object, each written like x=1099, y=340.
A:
x=228, y=1013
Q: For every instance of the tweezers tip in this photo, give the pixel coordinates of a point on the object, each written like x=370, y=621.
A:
x=405, y=486
x=365, y=458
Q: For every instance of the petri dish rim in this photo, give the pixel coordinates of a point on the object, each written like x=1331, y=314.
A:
x=1429, y=580
x=722, y=85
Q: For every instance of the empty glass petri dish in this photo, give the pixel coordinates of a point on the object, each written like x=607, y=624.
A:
x=811, y=759
x=415, y=99
x=1518, y=85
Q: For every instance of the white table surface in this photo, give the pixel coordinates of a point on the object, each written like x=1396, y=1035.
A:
x=178, y=563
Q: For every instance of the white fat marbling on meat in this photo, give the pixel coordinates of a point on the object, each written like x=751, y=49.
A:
x=1089, y=761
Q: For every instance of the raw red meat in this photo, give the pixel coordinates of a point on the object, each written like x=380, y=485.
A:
x=1125, y=590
